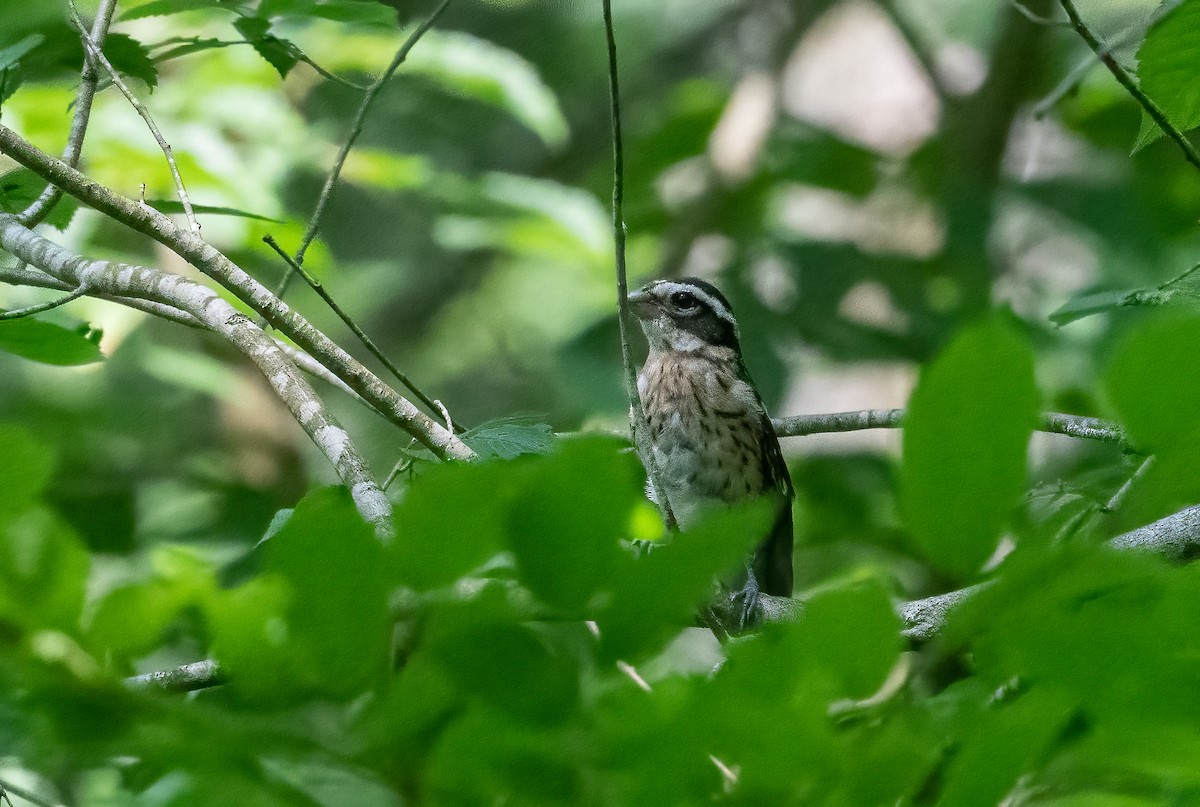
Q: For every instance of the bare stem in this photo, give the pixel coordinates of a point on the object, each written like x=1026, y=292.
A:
x=356, y=127
x=641, y=434
x=18, y=313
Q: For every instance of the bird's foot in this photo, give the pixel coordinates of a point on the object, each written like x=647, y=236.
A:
x=748, y=599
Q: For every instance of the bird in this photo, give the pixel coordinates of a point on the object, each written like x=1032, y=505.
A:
x=709, y=432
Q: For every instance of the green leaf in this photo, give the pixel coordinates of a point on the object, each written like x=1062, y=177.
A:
x=565, y=526
x=1151, y=383
x=12, y=54
x=20, y=187
x=131, y=58
x=318, y=620
x=362, y=12
x=965, y=439
x=279, y=53
x=26, y=464
x=508, y=438
x=329, y=784
x=1169, y=70
x=171, y=206
x=486, y=72
x=160, y=8
x=47, y=343
x=43, y=571
x=450, y=522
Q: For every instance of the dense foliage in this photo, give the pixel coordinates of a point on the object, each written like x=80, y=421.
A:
x=987, y=243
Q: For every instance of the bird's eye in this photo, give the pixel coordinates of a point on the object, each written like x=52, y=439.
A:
x=684, y=300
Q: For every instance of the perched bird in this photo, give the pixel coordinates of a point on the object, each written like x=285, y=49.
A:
x=712, y=440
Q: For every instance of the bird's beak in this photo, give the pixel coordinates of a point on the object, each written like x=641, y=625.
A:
x=642, y=304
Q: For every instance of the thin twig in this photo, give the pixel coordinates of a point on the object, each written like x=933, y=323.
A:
x=18, y=313
x=98, y=55
x=1077, y=73
x=1127, y=81
x=1085, y=428
x=316, y=285
x=356, y=128
x=187, y=678
x=41, y=207
x=641, y=431
x=1034, y=18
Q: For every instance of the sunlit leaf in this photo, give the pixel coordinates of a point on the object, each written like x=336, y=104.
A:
x=1167, y=70
x=47, y=343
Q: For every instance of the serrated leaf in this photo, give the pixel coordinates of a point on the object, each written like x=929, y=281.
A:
x=131, y=58
x=1169, y=70
x=279, y=53
x=20, y=187
x=48, y=343
x=171, y=206
x=965, y=440
x=508, y=438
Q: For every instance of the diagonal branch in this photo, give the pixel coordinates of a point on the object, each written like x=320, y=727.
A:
x=216, y=314
x=41, y=207
x=97, y=54
x=210, y=261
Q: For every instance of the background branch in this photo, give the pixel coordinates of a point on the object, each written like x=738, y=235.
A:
x=637, y=417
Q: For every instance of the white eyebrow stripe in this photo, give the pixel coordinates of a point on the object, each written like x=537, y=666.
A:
x=716, y=305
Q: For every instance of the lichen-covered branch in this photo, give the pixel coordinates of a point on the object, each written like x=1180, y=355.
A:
x=206, y=258
x=215, y=313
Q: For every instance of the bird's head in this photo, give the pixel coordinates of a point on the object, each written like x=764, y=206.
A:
x=685, y=315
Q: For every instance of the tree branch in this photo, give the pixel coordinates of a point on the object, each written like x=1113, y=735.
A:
x=637, y=416
x=188, y=678
x=210, y=261
x=41, y=207
x=1130, y=84
x=97, y=54
x=215, y=313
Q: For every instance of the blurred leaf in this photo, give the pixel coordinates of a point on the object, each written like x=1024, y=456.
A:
x=965, y=439
x=158, y=8
x=486, y=72
x=565, y=526
x=43, y=570
x=450, y=522
x=508, y=438
x=20, y=187
x=1150, y=381
x=279, y=53
x=362, y=12
x=26, y=464
x=47, y=343
x=656, y=595
x=318, y=618
x=1168, y=72
x=171, y=206
x=507, y=666
x=12, y=54
x=330, y=784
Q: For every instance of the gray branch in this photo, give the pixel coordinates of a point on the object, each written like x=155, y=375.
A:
x=188, y=678
x=1052, y=422
x=202, y=255
x=216, y=314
